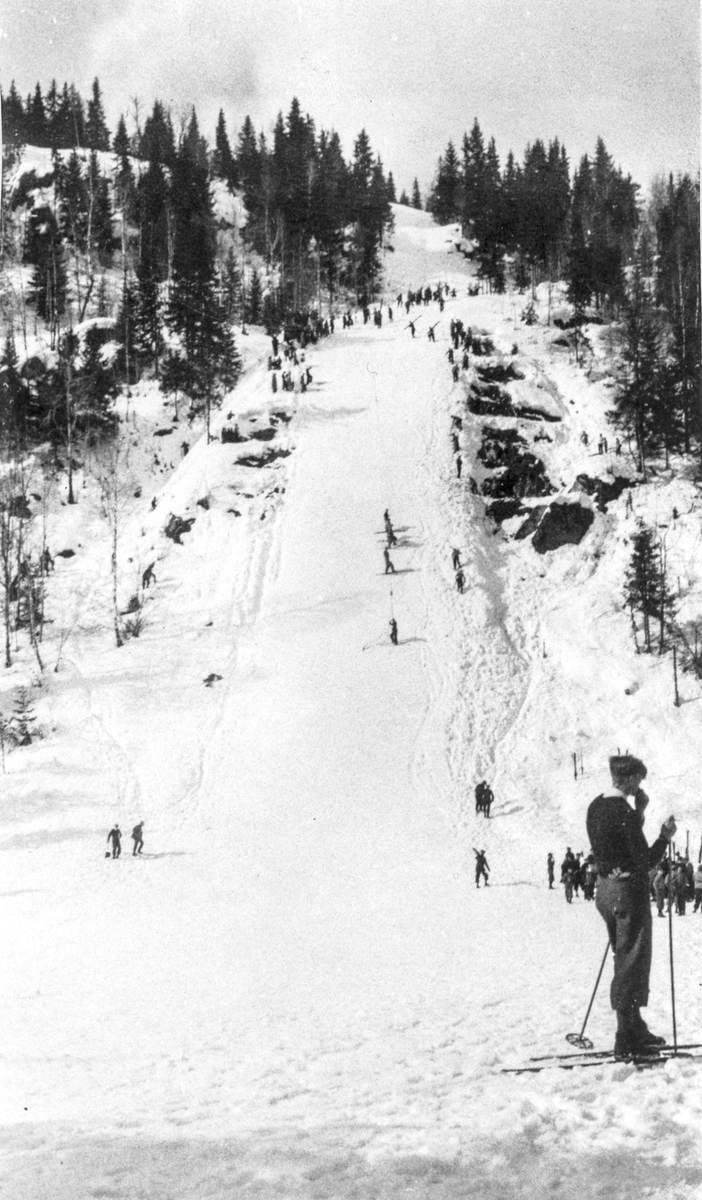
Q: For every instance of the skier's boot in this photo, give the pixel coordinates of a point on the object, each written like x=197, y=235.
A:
x=634, y=1038
x=644, y=1033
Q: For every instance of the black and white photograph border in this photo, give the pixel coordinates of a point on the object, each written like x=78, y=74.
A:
x=351, y=609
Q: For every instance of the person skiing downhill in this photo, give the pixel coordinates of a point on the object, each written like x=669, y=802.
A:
x=481, y=867
x=623, y=858
x=115, y=836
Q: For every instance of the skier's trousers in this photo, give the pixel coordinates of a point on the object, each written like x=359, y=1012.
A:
x=625, y=906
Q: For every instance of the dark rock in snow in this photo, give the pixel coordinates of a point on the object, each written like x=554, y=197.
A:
x=262, y=460
x=482, y=346
x=263, y=435
x=531, y=523
x=211, y=678
x=502, y=510
x=499, y=446
x=561, y=525
x=162, y=432
x=18, y=506
x=232, y=435
x=498, y=372
x=524, y=476
x=603, y=491
x=64, y=554
x=490, y=401
x=177, y=526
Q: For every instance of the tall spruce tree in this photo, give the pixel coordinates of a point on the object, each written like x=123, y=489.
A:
x=646, y=589
x=330, y=209
x=445, y=198
x=640, y=395
x=97, y=135
x=223, y=165
x=678, y=290
x=195, y=313
x=13, y=118
x=44, y=250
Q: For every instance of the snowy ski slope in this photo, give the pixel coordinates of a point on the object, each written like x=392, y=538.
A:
x=298, y=991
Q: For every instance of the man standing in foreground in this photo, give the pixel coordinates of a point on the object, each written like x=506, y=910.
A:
x=624, y=858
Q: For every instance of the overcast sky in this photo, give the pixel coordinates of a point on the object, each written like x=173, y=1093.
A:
x=413, y=73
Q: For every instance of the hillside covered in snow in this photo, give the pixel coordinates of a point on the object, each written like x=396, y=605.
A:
x=297, y=989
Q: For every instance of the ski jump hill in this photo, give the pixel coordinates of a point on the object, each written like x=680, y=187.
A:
x=297, y=990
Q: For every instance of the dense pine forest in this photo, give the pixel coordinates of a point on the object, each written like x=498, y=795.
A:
x=129, y=227
x=624, y=260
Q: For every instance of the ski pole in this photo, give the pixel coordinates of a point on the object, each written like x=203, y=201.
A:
x=670, y=943
x=578, y=1039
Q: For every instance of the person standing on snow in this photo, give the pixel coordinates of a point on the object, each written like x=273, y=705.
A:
x=137, y=838
x=115, y=836
x=568, y=862
x=481, y=867
x=549, y=868
x=389, y=568
x=698, y=888
x=660, y=886
x=456, y=559
x=623, y=858
x=393, y=631
x=679, y=885
x=460, y=581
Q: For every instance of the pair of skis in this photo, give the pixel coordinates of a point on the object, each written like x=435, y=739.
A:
x=599, y=1058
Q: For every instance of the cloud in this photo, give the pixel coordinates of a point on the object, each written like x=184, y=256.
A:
x=182, y=51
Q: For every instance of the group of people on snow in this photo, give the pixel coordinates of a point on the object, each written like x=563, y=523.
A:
x=114, y=839
x=679, y=882
x=484, y=797
x=682, y=881
x=577, y=873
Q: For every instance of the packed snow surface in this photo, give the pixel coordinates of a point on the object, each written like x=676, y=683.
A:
x=297, y=990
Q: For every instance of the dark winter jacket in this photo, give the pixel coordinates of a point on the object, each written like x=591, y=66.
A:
x=617, y=839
